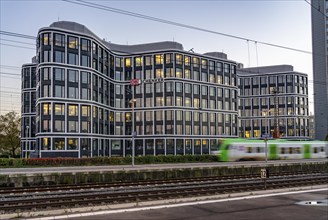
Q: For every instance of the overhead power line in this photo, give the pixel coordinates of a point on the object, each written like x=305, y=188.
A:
x=10, y=45
x=12, y=34
x=129, y=13
x=20, y=42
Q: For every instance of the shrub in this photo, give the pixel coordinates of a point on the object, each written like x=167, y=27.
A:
x=99, y=161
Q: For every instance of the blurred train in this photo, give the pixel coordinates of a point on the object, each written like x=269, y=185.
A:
x=238, y=149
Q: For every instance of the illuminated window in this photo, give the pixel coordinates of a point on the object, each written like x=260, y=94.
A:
x=187, y=74
x=220, y=79
x=178, y=73
x=59, y=144
x=204, y=64
x=46, y=108
x=72, y=143
x=138, y=61
x=72, y=42
x=195, y=61
x=196, y=103
x=127, y=62
x=72, y=110
x=168, y=58
x=59, y=109
x=187, y=60
x=159, y=73
x=46, y=144
x=159, y=59
x=85, y=111
x=178, y=58
x=46, y=39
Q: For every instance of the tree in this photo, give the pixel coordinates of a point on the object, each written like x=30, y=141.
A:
x=10, y=125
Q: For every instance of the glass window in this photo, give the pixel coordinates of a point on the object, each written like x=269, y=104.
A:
x=72, y=42
x=46, y=108
x=59, y=56
x=59, y=74
x=219, y=66
x=168, y=58
x=59, y=126
x=85, y=111
x=178, y=87
x=196, y=89
x=178, y=58
x=85, y=45
x=72, y=76
x=59, y=109
x=85, y=60
x=195, y=62
x=72, y=92
x=178, y=73
x=148, y=61
x=46, y=39
x=72, y=110
x=72, y=126
x=46, y=56
x=72, y=59
x=138, y=61
x=60, y=91
x=127, y=62
x=72, y=144
x=159, y=59
x=85, y=77
x=59, y=40
x=187, y=88
x=204, y=64
x=187, y=60
x=46, y=74
x=196, y=75
x=226, y=68
x=46, y=91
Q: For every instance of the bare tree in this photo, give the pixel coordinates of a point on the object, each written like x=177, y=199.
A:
x=10, y=134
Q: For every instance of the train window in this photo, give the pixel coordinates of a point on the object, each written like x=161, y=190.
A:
x=258, y=150
x=290, y=150
x=282, y=150
x=249, y=149
x=322, y=149
x=297, y=150
x=315, y=150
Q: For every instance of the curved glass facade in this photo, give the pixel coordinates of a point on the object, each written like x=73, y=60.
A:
x=184, y=103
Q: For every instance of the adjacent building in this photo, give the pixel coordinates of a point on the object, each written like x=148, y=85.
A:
x=28, y=129
x=183, y=101
x=320, y=66
x=273, y=100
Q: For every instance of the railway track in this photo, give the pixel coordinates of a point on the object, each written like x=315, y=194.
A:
x=33, y=199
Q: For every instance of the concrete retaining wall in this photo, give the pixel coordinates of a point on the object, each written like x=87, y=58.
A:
x=56, y=178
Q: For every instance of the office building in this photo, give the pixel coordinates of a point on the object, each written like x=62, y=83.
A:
x=320, y=66
x=183, y=102
x=273, y=100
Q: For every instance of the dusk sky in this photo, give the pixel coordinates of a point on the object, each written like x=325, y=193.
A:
x=285, y=23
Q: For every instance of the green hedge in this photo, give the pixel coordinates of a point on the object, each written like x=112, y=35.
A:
x=99, y=161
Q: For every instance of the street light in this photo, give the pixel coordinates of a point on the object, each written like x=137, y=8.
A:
x=26, y=134
x=133, y=82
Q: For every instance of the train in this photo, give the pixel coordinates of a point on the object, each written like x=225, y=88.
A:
x=239, y=149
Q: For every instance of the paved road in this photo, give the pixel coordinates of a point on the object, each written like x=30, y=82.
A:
x=268, y=208
x=149, y=166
